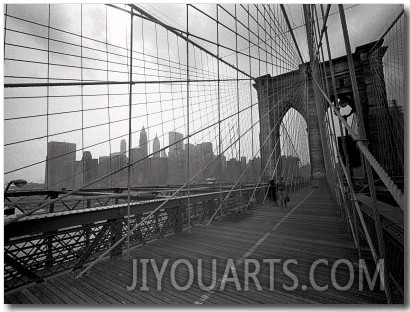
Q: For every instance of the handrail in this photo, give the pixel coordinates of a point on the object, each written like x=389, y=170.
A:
x=42, y=222
x=389, y=212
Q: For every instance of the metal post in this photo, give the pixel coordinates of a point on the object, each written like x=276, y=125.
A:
x=369, y=172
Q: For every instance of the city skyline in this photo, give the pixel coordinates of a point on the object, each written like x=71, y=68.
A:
x=143, y=149
x=63, y=170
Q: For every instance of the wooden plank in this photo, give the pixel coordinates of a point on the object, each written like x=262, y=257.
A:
x=59, y=293
x=32, y=298
x=22, y=298
x=11, y=299
x=76, y=297
x=114, y=277
x=44, y=294
x=98, y=295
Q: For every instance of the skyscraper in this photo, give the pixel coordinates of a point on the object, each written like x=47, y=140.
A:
x=60, y=164
x=90, y=167
x=104, y=167
x=234, y=168
x=123, y=148
x=156, y=147
x=117, y=161
x=175, y=142
x=137, y=170
x=177, y=167
x=143, y=142
x=205, y=156
x=158, y=171
x=193, y=164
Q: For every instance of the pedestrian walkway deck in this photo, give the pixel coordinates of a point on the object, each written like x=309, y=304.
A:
x=309, y=229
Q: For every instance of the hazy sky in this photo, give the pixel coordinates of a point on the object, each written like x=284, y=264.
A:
x=158, y=55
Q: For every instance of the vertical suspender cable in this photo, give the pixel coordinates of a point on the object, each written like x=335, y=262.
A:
x=237, y=94
x=48, y=91
x=219, y=109
x=129, y=136
x=82, y=98
x=187, y=109
x=250, y=91
x=108, y=97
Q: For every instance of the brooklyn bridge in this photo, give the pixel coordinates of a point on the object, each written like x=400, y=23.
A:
x=173, y=154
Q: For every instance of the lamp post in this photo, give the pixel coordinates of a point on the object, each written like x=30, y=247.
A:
x=18, y=183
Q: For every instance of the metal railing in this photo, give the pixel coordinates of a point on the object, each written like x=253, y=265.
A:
x=393, y=235
x=42, y=245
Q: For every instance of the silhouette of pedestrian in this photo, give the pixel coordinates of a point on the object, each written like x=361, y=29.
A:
x=282, y=192
x=272, y=191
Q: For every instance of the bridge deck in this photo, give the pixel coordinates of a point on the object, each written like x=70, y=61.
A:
x=309, y=229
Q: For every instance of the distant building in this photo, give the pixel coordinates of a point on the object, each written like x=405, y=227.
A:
x=193, y=163
x=175, y=142
x=86, y=170
x=140, y=170
x=255, y=166
x=205, y=156
x=123, y=146
x=104, y=167
x=143, y=144
x=118, y=161
x=190, y=147
x=159, y=167
x=244, y=169
x=224, y=166
x=243, y=162
x=60, y=165
x=177, y=167
x=90, y=167
x=78, y=174
x=156, y=146
x=205, y=149
x=234, y=169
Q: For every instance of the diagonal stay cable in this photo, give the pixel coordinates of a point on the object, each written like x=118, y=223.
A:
x=167, y=200
x=391, y=186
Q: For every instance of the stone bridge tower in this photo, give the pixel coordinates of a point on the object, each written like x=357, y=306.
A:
x=276, y=95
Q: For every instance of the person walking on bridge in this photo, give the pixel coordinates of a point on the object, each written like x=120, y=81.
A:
x=272, y=191
x=281, y=187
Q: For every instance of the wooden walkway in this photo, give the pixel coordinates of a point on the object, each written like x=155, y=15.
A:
x=309, y=229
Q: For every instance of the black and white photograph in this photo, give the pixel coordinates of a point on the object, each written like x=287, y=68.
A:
x=229, y=154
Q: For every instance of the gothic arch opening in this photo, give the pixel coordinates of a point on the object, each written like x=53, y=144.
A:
x=294, y=161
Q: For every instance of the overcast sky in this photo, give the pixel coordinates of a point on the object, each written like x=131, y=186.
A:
x=166, y=109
